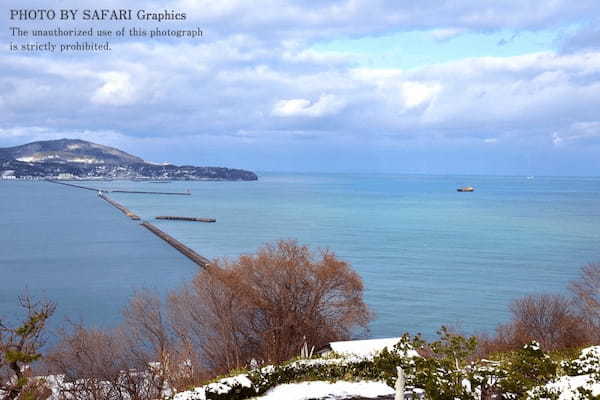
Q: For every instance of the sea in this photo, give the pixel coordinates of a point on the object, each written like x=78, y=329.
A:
x=428, y=255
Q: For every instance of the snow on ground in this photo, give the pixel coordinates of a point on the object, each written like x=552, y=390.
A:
x=366, y=348
x=587, y=368
x=567, y=386
x=587, y=365
x=327, y=390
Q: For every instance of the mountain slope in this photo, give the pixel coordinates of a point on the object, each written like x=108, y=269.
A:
x=68, y=150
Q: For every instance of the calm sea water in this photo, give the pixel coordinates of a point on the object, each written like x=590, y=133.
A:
x=428, y=255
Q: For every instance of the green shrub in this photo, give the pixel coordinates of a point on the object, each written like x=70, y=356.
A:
x=526, y=369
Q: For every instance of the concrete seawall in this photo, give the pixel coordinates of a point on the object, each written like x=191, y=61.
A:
x=187, y=193
x=182, y=248
x=72, y=185
x=118, y=206
x=193, y=219
x=144, y=192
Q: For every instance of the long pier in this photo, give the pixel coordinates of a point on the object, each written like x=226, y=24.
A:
x=186, y=193
x=118, y=206
x=72, y=185
x=182, y=248
x=194, y=219
x=145, y=192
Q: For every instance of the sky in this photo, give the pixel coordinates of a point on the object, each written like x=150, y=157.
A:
x=433, y=87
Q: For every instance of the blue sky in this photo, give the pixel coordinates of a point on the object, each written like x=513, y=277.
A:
x=503, y=87
x=415, y=49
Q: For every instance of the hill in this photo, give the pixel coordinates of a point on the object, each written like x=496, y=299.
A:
x=79, y=159
x=68, y=151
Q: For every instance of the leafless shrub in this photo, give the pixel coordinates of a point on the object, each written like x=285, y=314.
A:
x=502, y=341
x=91, y=364
x=204, y=317
x=139, y=360
x=263, y=306
x=151, y=337
x=587, y=296
x=550, y=320
x=546, y=318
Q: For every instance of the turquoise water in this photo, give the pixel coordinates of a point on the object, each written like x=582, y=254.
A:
x=428, y=255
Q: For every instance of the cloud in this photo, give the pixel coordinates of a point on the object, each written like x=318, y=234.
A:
x=255, y=77
x=358, y=17
x=117, y=89
x=22, y=134
x=325, y=105
x=417, y=93
x=446, y=33
x=504, y=42
x=586, y=38
x=280, y=20
x=183, y=90
x=587, y=132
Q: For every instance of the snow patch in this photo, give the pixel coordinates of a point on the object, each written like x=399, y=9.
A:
x=367, y=348
x=327, y=390
x=567, y=386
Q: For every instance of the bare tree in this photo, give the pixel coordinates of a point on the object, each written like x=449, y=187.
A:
x=139, y=360
x=503, y=340
x=89, y=362
x=146, y=335
x=546, y=318
x=151, y=338
x=20, y=348
x=265, y=305
x=204, y=316
x=549, y=319
x=587, y=296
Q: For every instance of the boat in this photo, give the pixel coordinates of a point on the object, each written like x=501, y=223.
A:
x=466, y=189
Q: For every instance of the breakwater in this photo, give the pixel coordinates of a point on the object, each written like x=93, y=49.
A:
x=194, y=219
x=145, y=192
x=182, y=248
x=72, y=185
x=186, y=193
x=118, y=206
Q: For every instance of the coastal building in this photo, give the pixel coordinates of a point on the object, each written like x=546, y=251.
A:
x=65, y=176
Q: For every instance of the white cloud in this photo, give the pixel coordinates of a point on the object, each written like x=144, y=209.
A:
x=317, y=19
x=185, y=90
x=325, y=105
x=446, y=34
x=21, y=134
x=556, y=139
x=117, y=89
x=417, y=93
x=254, y=77
x=284, y=20
x=585, y=131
